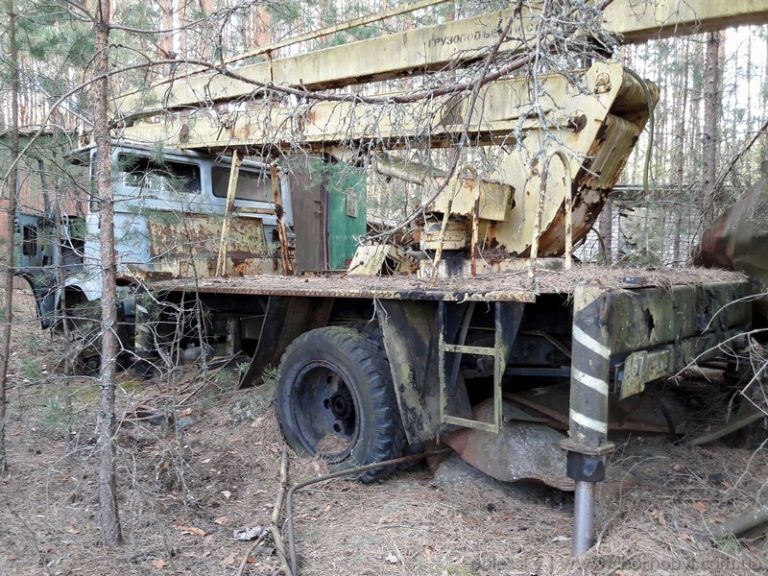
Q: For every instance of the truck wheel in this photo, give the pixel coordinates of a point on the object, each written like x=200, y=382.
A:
x=335, y=400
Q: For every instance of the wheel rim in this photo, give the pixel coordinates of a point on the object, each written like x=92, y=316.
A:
x=325, y=410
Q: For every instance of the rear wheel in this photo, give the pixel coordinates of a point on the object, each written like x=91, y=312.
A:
x=335, y=399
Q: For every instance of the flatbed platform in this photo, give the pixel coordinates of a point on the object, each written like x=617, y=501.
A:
x=514, y=286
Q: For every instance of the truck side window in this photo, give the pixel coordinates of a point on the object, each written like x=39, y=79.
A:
x=172, y=177
x=29, y=241
x=256, y=186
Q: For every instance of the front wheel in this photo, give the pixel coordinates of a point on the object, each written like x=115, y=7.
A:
x=335, y=399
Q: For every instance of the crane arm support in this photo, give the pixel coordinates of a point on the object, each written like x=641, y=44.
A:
x=428, y=49
x=640, y=21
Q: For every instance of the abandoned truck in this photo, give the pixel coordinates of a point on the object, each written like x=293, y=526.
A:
x=244, y=230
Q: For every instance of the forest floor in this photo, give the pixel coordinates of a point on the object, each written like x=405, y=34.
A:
x=199, y=459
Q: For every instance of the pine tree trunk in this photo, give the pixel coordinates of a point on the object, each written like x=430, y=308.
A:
x=748, y=171
x=710, y=134
x=10, y=226
x=181, y=10
x=210, y=46
x=680, y=107
x=260, y=28
x=764, y=92
x=109, y=519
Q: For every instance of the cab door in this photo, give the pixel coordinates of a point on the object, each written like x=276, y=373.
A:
x=34, y=254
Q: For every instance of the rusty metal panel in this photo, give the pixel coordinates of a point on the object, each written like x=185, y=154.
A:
x=650, y=317
x=458, y=197
x=643, y=367
x=309, y=202
x=185, y=245
x=522, y=451
x=411, y=343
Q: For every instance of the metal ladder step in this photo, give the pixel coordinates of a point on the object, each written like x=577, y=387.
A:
x=452, y=337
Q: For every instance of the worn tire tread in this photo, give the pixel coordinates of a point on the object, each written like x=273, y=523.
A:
x=369, y=356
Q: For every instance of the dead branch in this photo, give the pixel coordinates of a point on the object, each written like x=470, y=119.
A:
x=253, y=546
x=739, y=421
x=736, y=526
x=274, y=527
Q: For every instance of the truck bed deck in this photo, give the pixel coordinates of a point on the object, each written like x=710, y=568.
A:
x=496, y=287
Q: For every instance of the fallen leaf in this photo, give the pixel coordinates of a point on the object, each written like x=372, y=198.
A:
x=700, y=506
x=192, y=530
x=185, y=412
x=158, y=563
x=230, y=558
x=687, y=537
x=428, y=550
x=222, y=520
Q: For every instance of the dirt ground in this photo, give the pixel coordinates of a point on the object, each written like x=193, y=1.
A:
x=199, y=459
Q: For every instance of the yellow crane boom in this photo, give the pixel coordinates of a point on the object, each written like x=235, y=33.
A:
x=430, y=48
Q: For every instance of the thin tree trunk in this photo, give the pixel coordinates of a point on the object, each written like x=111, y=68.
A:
x=680, y=109
x=181, y=11
x=210, y=49
x=764, y=148
x=260, y=27
x=748, y=171
x=109, y=519
x=606, y=232
x=10, y=226
x=710, y=133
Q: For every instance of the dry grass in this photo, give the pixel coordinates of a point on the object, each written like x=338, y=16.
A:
x=184, y=491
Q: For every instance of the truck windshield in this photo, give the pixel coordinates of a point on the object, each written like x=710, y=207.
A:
x=172, y=177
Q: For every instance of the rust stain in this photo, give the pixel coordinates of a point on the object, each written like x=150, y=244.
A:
x=186, y=245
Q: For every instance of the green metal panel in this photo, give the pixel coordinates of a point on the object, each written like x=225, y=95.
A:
x=346, y=213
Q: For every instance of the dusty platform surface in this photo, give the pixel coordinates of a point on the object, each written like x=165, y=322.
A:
x=500, y=286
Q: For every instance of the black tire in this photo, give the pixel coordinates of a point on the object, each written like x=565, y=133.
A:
x=335, y=399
